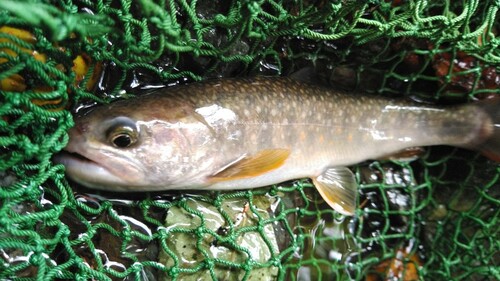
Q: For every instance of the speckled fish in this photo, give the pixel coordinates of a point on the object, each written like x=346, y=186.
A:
x=246, y=133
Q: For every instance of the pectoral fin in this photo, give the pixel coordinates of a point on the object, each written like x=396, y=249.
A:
x=338, y=188
x=254, y=165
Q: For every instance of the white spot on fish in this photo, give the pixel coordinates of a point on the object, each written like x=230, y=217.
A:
x=405, y=139
x=236, y=135
x=216, y=114
x=378, y=135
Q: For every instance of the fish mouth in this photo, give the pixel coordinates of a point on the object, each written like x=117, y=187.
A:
x=74, y=156
x=89, y=172
x=76, y=161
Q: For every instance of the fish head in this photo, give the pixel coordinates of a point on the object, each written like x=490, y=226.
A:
x=134, y=147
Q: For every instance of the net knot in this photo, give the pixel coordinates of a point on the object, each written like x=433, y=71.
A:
x=199, y=231
x=218, y=202
x=137, y=267
x=248, y=265
x=209, y=264
x=36, y=259
x=275, y=261
x=173, y=272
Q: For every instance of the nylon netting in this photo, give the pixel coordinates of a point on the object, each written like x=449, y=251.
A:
x=435, y=218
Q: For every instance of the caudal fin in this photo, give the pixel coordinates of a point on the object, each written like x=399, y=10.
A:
x=490, y=132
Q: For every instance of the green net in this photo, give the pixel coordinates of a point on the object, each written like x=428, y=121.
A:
x=435, y=218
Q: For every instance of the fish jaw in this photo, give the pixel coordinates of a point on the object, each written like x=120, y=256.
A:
x=87, y=172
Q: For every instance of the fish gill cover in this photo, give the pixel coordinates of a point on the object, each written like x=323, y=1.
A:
x=434, y=218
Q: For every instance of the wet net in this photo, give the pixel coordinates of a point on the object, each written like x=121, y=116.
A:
x=434, y=218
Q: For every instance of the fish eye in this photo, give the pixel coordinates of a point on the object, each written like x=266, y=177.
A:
x=123, y=133
x=122, y=140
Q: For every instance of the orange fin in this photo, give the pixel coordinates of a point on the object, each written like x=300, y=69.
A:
x=407, y=154
x=254, y=165
x=338, y=188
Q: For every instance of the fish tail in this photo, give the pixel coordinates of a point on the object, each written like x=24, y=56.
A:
x=488, y=141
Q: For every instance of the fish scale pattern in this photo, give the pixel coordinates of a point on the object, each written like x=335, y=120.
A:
x=433, y=218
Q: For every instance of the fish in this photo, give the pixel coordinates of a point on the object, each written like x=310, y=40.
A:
x=243, y=133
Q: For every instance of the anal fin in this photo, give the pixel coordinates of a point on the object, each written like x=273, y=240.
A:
x=339, y=189
x=405, y=155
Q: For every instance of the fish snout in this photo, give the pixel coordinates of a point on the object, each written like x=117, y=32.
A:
x=80, y=128
x=77, y=136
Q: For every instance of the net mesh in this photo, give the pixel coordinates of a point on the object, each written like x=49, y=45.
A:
x=435, y=218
